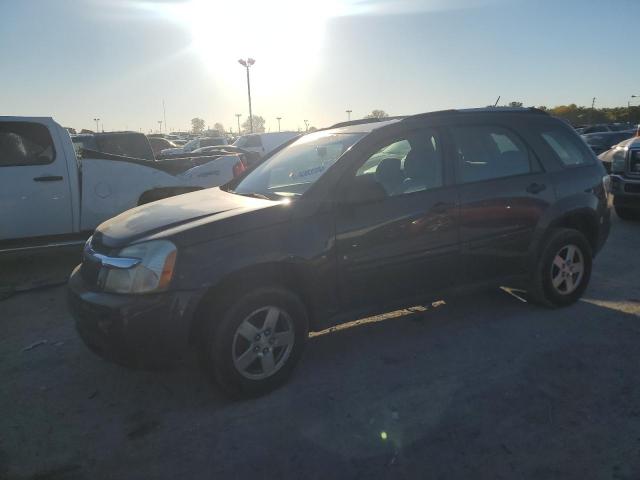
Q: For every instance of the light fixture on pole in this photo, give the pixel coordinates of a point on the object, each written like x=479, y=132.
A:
x=278, y=118
x=348, y=114
x=97, y=120
x=246, y=64
x=238, y=115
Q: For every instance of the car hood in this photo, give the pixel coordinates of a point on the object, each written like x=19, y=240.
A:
x=176, y=215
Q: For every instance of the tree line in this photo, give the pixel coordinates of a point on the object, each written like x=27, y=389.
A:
x=574, y=114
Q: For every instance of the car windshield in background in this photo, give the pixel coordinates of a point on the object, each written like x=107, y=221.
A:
x=291, y=171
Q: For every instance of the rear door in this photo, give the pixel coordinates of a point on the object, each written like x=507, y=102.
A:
x=35, y=196
x=503, y=192
x=403, y=242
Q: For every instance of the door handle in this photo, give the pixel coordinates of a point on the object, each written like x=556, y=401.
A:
x=441, y=207
x=48, y=178
x=536, y=187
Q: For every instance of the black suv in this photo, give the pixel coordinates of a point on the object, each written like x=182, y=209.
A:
x=623, y=161
x=359, y=218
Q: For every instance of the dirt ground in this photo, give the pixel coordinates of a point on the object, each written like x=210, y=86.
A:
x=485, y=386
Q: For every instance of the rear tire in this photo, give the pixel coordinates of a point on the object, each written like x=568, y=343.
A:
x=563, y=269
x=253, y=345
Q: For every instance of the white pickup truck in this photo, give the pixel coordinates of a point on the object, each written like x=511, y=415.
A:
x=52, y=196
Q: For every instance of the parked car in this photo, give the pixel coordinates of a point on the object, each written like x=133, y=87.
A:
x=603, y=141
x=158, y=144
x=194, y=144
x=51, y=195
x=623, y=161
x=315, y=236
x=264, y=143
x=249, y=157
x=605, y=127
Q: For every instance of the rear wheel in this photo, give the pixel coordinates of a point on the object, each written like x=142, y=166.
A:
x=563, y=269
x=252, y=346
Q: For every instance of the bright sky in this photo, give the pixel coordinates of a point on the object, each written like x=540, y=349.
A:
x=119, y=59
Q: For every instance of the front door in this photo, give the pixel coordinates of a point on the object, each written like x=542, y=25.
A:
x=34, y=183
x=396, y=230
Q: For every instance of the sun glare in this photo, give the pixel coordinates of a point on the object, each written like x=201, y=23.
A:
x=284, y=36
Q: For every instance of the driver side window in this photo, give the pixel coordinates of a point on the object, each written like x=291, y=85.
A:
x=408, y=164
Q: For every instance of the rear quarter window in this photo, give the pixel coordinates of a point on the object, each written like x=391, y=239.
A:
x=567, y=146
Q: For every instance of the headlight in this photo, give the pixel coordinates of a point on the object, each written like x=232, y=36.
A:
x=152, y=274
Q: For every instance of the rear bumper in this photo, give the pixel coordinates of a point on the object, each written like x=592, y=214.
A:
x=132, y=330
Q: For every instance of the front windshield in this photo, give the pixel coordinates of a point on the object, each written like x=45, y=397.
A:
x=291, y=171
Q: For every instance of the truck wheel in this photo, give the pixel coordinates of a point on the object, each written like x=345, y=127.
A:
x=253, y=345
x=563, y=269
x=626, y=213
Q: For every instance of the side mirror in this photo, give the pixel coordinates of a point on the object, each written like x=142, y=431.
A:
x=363, y=189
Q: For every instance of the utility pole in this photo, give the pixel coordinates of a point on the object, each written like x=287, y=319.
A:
x=593, y=104
x=348, y=115
x=97, y=120
x=246, y=64
x=160, y=124
x=306, y=125
x=238, y=115
x=278, y=118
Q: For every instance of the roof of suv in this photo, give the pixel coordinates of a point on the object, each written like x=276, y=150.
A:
x=367, y=125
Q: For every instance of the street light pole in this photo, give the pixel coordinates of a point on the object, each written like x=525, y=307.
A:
x=593, y=104
x=348, y=114
x=629, y=107
x=164, y=115
x=246, y=64
x=97, y=120
x=238, y=115
x=278, y=118
x=160, y=124
x=306, y=125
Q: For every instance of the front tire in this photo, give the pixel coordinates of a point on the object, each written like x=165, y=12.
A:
x=563, y=269
x=252, y=346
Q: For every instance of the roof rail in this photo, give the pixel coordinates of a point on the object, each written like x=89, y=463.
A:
x=477, y=110
x=362, y=121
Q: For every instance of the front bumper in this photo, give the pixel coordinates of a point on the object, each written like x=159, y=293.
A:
x=626, y=191
x=132, y=330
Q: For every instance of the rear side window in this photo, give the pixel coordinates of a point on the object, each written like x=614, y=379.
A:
x=25, y=143
x=569, y=148
x=488, y=152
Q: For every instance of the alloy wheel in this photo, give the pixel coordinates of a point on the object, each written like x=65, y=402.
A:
x=263, y=342
x=567, y=269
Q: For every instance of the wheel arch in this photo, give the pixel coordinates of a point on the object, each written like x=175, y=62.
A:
x=280, y=274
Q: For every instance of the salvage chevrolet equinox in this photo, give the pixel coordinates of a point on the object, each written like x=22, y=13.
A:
x=359, y=218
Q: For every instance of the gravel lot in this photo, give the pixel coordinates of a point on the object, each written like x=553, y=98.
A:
x=485, y=386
